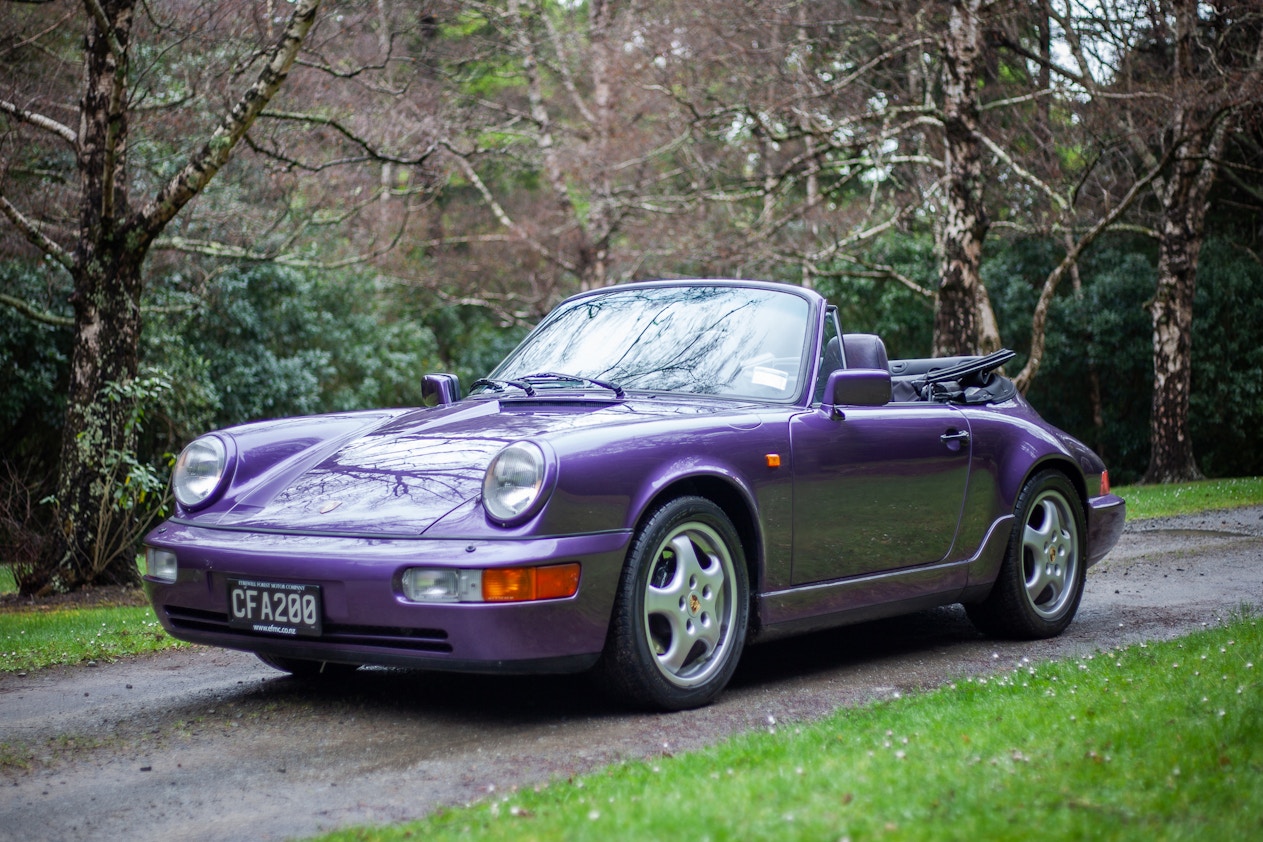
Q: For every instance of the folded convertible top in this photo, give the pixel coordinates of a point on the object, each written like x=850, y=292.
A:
x=972, y=380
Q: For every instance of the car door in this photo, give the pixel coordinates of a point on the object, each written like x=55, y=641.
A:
x=877, y=490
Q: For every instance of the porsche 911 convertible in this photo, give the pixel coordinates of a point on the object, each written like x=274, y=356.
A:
x=658, y=475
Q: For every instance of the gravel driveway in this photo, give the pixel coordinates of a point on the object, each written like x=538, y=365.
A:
x=208, y=744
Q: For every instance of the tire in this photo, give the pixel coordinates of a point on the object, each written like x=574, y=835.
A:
x=681, y=611
x=1040, y=583
x=303, y=668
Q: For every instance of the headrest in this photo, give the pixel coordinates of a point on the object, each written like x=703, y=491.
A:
x=865, y=350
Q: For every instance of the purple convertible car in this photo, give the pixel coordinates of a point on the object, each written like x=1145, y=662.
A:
x=659, y=474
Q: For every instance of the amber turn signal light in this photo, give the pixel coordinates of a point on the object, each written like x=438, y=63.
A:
x=526, y=584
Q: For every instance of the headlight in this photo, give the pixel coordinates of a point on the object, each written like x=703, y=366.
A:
x=513, y=488
x=199, y=471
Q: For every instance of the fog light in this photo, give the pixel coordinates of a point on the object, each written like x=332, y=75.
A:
x=160, y=564
x=420, y=585
x=423, y=584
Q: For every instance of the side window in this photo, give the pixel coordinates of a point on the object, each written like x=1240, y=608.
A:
x=831, y=358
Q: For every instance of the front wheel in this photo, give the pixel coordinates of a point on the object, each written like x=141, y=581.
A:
x=1041, y=579
x=682, y=608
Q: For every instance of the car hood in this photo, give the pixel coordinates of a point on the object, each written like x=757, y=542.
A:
x=399, y=477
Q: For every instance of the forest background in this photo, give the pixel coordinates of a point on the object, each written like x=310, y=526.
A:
x=223, y=210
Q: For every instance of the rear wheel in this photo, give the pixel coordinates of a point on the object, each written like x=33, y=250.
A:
x=682, y=608
x=303, y=668
x=1040, y=583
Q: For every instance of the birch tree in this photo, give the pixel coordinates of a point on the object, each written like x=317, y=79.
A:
x=960, y=326
x=1170, y=78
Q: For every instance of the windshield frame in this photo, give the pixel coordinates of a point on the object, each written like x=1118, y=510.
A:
x=807, y=353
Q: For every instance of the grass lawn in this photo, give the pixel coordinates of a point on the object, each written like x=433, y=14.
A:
x=1155, y=741
x=1145, y=501
x=31, y=639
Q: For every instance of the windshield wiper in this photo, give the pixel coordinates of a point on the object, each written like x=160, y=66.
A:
x=552, y=377
x=500, y=385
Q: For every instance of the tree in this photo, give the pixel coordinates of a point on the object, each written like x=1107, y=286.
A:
x=104, y=250
x=1183, y=195
x=862, y=119
x=559, y=158
x=792, y=111
x=1168, y=80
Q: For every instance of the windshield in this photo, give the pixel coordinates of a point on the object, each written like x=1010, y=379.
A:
x=704, y=340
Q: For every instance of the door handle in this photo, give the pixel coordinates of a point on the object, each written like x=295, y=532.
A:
x=953, y=436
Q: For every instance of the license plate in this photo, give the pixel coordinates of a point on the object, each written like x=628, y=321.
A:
x=274, y=607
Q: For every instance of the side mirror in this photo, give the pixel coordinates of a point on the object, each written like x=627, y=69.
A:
x=856, y=387
x=440, y=389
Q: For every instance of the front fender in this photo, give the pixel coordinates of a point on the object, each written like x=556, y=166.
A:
x=611, y=483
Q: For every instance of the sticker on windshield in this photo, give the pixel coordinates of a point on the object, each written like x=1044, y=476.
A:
x=770, y=377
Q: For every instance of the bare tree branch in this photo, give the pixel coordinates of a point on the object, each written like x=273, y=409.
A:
x=499, y=304
x=1023, y=173
x=34, y=39
x=210, y=248
x=1085, y=80
x=33, y=235
x=885, y=272
x=1039, y=318
x=1251, y=187
x=40, y=121
x=563, y=70
x=35, y=314
x=202, y=167
x=539, y=113
x=840, y=248
x=1016, y=100
x=502, y=215
x=294, y=163
x=372, y=152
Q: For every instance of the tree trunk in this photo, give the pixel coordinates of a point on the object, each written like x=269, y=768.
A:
x=1184, y=197
x=600, y=223
x=1171, y=446
x=99, y=427
x=106, y=302
x=957, y=318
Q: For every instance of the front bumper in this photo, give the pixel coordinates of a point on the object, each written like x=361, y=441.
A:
x=366, y=620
